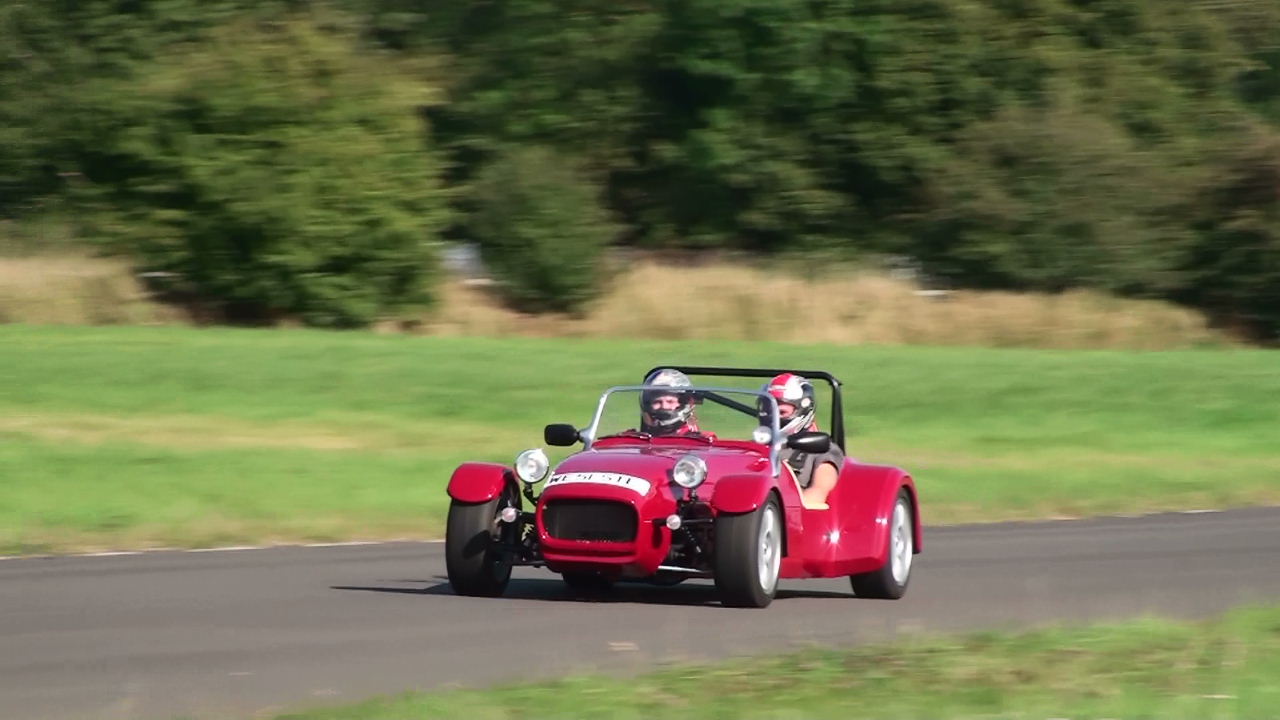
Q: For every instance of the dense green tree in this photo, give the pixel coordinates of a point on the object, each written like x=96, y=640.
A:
x=58, y=54
x=541, y=230
x=1054, y=199
x=1234, y=269
x=263, y=171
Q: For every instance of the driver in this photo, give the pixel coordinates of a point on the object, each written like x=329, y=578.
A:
x=667, y=410
x=815, y=474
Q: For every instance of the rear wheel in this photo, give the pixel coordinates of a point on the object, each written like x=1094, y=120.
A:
x=475, y=563
x=748, y=555
x=890, y=581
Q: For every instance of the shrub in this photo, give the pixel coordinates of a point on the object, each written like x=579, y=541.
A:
x=541, y=230
x=1055, y=199
x=1234, y=271
x=266, y=172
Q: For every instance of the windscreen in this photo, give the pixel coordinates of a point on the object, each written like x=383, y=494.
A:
x=724, y=414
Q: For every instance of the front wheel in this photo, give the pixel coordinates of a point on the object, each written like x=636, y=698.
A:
x=474, y=562
x=890, y=581
x=748, y=555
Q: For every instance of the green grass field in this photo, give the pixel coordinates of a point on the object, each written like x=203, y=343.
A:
x=1222, y=669
x=136, y=437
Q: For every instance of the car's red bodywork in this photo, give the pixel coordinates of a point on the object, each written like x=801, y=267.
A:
x=849, y=537
x=476, y=482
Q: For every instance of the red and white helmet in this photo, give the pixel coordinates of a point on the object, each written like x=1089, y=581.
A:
x=798, y=392
x=663, y=421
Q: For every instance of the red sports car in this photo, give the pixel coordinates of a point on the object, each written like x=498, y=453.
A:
x=717, y=503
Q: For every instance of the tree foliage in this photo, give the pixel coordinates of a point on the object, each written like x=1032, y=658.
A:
x=262, y=170
x=1039, y=144
x=1047, y=199
x=541, y=230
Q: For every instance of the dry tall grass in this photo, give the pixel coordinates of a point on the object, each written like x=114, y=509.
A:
x=662, y=301
x=738, y=302
x=76, y=290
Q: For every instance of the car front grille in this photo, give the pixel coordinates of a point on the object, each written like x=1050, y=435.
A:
x=571, y=519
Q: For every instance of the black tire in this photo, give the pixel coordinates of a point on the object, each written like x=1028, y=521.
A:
x=890, y=581
x=474, y=565
x=748, y=555
x=586, y=582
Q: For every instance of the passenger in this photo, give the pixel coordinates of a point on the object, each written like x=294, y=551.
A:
x=668, y=411
x=797, y=408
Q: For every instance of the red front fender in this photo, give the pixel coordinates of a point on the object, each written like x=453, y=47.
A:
x=740, y=493
x=475, y=482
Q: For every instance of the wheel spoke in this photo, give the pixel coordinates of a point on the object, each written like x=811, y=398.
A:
x=901, y=543
x=770, y=549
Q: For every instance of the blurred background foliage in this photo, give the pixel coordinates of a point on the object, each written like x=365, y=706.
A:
x=540, y=227
x=305, y=159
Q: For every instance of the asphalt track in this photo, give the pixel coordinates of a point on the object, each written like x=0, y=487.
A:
x=236, y=633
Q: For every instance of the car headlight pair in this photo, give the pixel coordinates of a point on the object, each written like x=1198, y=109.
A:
x=532, y=466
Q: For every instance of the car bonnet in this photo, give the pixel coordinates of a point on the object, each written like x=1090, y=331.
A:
x=653, y=465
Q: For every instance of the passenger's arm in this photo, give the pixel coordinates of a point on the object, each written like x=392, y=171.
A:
x=825, y=475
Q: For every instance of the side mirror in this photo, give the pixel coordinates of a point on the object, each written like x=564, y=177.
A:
x=560, y=434
x=812, y=442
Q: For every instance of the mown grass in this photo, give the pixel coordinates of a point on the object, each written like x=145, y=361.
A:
x=137, y=437
x=1225, y=668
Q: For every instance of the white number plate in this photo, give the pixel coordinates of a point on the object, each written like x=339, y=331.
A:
x=629, y=482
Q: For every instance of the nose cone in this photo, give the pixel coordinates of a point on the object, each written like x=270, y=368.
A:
x=622, y=481
x=625, y=473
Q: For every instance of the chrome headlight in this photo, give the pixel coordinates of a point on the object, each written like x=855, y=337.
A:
x=689, y=471
x=532, y=465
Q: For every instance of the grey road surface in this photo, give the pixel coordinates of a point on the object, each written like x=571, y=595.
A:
x=236, y=633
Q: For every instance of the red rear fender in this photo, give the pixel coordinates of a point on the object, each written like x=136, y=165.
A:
x=740, y=493
x=910, y=485
x=475, y=482
x=865, y=496
x=894, y=481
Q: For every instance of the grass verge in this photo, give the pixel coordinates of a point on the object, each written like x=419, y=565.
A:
x=736, y=301
x=705, y=300
x=1225, y=668
x=138, y=437
x=69, y=288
